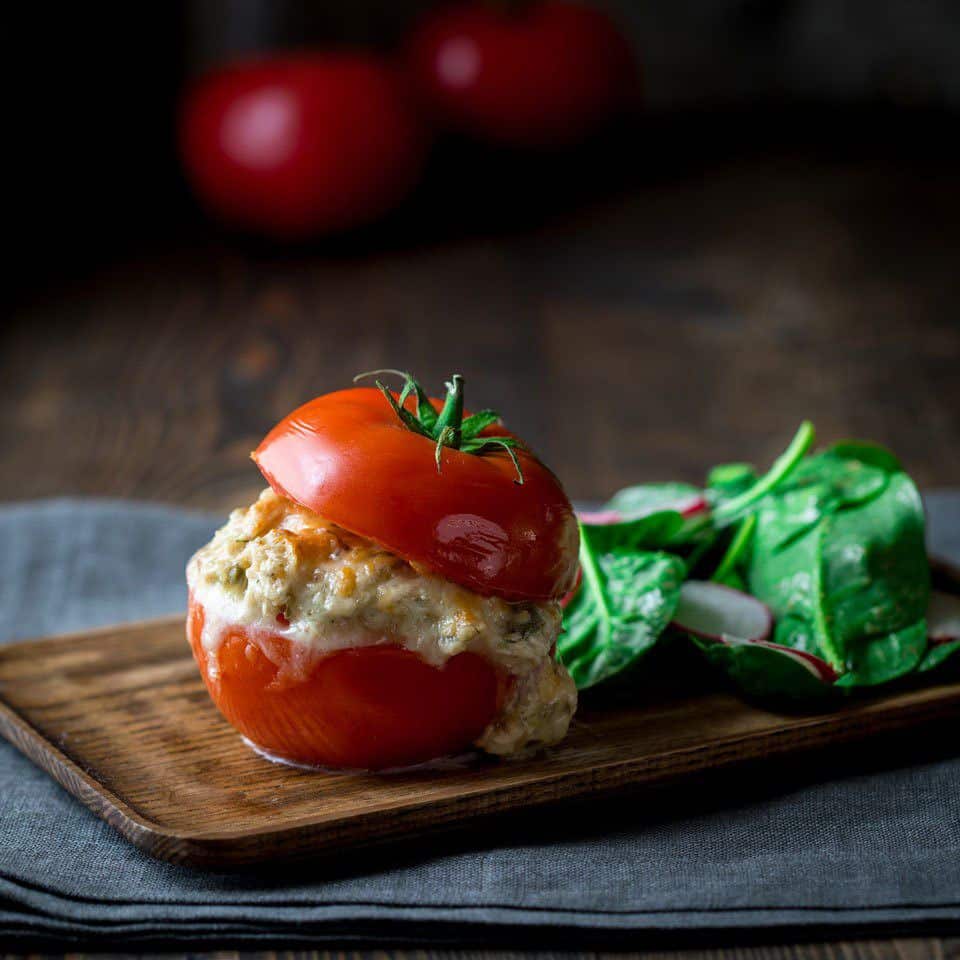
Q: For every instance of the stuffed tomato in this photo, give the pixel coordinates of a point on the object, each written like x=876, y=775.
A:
x=392, y=596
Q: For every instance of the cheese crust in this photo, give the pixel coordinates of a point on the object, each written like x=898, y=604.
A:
x=278, y=568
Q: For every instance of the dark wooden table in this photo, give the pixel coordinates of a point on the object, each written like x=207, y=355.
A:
x=688, y=314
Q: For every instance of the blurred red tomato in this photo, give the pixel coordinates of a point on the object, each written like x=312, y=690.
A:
x=529, y=74
x=296, y=145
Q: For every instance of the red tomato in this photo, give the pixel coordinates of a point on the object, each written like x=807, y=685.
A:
x=361, y=708
x=303, y=144
x=536, y=74
x=347, y=457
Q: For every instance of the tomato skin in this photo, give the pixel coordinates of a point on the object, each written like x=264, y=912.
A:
x=297, y=145
x=543, y=74
x=347, y=457
x=364, y=708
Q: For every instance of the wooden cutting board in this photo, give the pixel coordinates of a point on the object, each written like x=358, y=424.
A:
x=121, y=719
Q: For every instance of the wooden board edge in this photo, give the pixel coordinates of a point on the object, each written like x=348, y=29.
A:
x=160, y=621
x=317, y=837
x=96, y=797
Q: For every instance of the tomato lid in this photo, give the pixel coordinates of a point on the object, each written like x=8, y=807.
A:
x=458, y=495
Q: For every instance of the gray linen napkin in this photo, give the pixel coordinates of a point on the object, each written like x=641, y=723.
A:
x=868, y=846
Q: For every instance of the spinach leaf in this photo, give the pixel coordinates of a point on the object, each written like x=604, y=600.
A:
x=730, y=480
x=828, y=482
x=839, y=557
x=938, y=654
x=731, y=570
x=693, y=536
x=736, y=507
x=655, y=531
x=833, y=543
x=943, y=629
x=645, y=498
x=864, y=452
x=626, y=599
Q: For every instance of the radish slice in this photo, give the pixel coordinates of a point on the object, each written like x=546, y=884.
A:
x=712, y=611
x=814, y=664
x=943, y=618
x=693, y=506
x=715, y=612
x=572, y=592
x=685, y=506
x=600, y=518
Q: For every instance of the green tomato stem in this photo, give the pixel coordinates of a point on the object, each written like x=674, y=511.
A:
x=448, y=427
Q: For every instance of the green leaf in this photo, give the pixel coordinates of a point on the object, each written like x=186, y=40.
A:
x=733, y=509
x=943, y=629
x=694, y=535
x=484, y=444
x=426, y=412
x=406, y=417
x=478, y=421
x=647, y=497
x=729, y=570
x=938, y=654
x=821, y=486
x=655, y=531
x=864, y=452
x=839, y=558
x=876, y=580
x=730, y=479
x=627, y=598
x=880, y=659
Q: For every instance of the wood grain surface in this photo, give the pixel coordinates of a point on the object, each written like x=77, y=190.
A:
x=120, y=717
x=681, y=322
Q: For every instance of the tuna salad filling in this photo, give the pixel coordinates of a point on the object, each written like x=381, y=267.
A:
x=277, y=568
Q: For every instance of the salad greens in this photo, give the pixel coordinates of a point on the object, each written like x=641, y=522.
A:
x=832, y=543
x=627, y=596
x=943, y=628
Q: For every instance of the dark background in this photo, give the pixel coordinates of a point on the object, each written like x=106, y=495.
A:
x=776, y=238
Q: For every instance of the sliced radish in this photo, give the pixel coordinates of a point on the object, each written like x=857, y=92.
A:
x=943, y=618
x=692, y=506
x=716, y=612
x=810, y=661
x=600, y=518
x=572, y=592
x=685, y=506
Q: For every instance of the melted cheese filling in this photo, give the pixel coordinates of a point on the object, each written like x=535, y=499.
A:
x=277, y=568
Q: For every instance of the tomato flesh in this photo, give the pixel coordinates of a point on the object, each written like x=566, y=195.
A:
x=366, y=708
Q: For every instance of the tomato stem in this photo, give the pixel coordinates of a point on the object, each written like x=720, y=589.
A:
x=448, y=428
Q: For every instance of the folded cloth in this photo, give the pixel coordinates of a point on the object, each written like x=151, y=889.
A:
x=867, y=847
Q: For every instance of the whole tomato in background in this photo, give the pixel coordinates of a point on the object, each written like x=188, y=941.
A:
x=297, y=145
x=535, y=74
